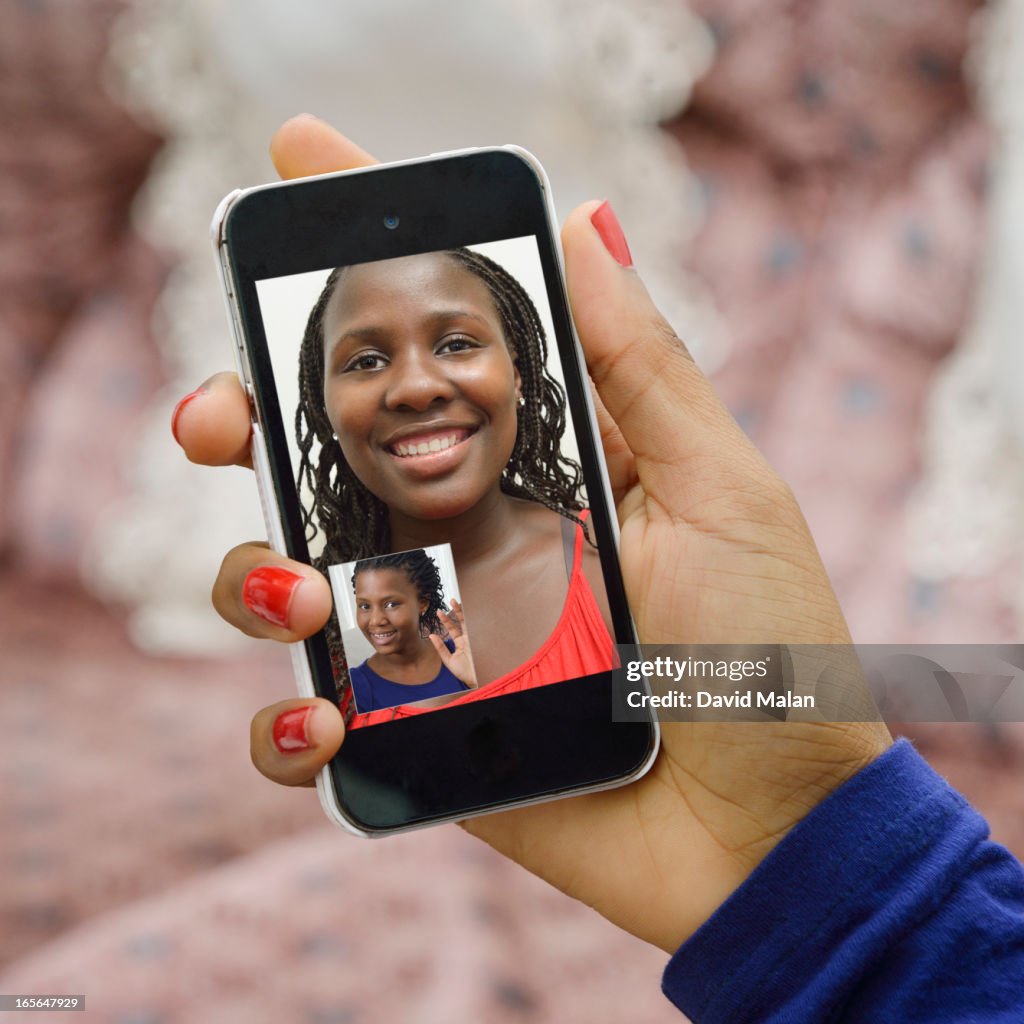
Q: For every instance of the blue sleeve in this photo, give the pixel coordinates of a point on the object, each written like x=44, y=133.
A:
x=887, y=903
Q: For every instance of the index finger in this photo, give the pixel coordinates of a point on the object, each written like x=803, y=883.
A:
x=451, y=624
x=212, y=423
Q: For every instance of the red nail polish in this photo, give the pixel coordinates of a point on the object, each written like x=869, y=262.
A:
x=268, y=592
x=290, y=735
x=608, y=227
x=181, y=405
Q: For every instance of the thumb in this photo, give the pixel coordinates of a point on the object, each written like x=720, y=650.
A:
x=664, y=406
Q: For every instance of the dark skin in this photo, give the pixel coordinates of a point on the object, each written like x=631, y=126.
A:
x=388, y=611
x=386, y=602
x=414, y=351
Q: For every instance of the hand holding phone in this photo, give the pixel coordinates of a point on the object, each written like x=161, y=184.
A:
x=713, y=549
x=422, y=434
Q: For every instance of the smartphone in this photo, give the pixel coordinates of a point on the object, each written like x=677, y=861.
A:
x=422, y=432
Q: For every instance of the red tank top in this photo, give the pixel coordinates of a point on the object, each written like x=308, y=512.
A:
x=579, y=645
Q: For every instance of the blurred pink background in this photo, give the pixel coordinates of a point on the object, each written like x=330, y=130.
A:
x=838, y=163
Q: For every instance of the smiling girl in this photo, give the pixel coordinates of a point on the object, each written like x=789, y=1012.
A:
x=421, y=650
x=427, y=415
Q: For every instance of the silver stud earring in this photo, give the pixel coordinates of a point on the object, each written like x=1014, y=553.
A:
x=335, y=436
x=522, y=401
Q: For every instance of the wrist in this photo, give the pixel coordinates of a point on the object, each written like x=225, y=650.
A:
x=748, y=785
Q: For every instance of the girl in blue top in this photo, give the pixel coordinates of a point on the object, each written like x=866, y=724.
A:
x=421, y=650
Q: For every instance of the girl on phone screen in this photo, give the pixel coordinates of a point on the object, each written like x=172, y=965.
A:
x=427, y=415
x=421, y=651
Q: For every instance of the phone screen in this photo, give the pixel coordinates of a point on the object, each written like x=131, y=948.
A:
x=420, y=386
x=429, y=436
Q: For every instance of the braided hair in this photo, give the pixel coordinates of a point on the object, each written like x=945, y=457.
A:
x=354, y=522
x=422, y=573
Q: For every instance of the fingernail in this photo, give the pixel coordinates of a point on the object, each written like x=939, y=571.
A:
x=181, y=405
x=610, y=230
x=268, y=593
x=291, y=730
